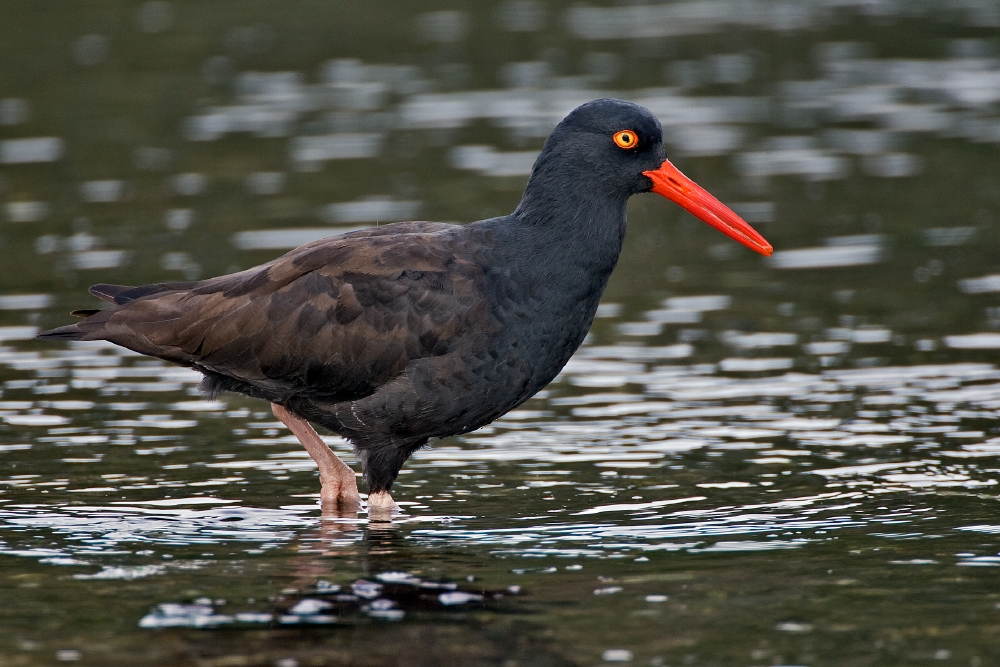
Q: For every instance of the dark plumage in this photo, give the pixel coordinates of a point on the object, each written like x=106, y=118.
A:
x=396, y=334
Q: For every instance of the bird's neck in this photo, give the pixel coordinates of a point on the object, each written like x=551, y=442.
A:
x=574, y=226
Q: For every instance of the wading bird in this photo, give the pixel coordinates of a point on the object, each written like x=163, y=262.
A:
x=396, y=334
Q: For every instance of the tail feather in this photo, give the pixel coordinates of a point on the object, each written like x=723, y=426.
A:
x=68, y=332
x=109, y=292
x=93, y=326
x=122, y=294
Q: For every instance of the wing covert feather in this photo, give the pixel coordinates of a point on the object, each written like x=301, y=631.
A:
x=336, y=319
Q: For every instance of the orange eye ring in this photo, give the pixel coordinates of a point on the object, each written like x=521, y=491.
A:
x=626, y=139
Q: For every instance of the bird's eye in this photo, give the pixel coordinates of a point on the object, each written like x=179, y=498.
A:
x=626, y=139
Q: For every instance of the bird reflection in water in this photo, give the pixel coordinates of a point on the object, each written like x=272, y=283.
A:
x=342, y=532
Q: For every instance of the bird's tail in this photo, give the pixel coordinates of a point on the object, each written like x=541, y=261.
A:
x=89, y=328
x=93, y=328
x=68, y=332
x=80, y=330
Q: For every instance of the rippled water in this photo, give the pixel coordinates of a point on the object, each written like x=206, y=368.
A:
x=784, y=461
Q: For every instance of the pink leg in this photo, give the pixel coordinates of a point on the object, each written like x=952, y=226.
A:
x=381, y=506
x=383, y=500
x=339, y=485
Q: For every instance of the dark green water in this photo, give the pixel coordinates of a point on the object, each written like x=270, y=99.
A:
x=790, y=461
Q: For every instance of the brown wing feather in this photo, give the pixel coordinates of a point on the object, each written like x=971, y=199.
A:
x=334, y=319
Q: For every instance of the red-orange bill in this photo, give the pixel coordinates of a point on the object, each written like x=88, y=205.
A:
x=675, y=186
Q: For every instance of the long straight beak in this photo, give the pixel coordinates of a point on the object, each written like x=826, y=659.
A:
x=675, y=186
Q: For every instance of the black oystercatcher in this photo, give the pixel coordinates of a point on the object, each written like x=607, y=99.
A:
x=415, y=330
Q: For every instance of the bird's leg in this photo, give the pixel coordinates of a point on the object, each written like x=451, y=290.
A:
x=339, y=485
x=381, y=499
x=380, y=466
x=381, y=506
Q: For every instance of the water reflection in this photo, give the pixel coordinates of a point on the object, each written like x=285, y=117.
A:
x=388, y=598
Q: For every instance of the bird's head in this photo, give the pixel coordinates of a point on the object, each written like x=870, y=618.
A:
x=618, y=146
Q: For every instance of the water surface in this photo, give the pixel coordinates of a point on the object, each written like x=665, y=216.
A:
x=784, y=461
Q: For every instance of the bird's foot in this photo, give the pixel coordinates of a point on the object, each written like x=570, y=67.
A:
x=381, y=506
x=339, y=497
x=382, y=500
